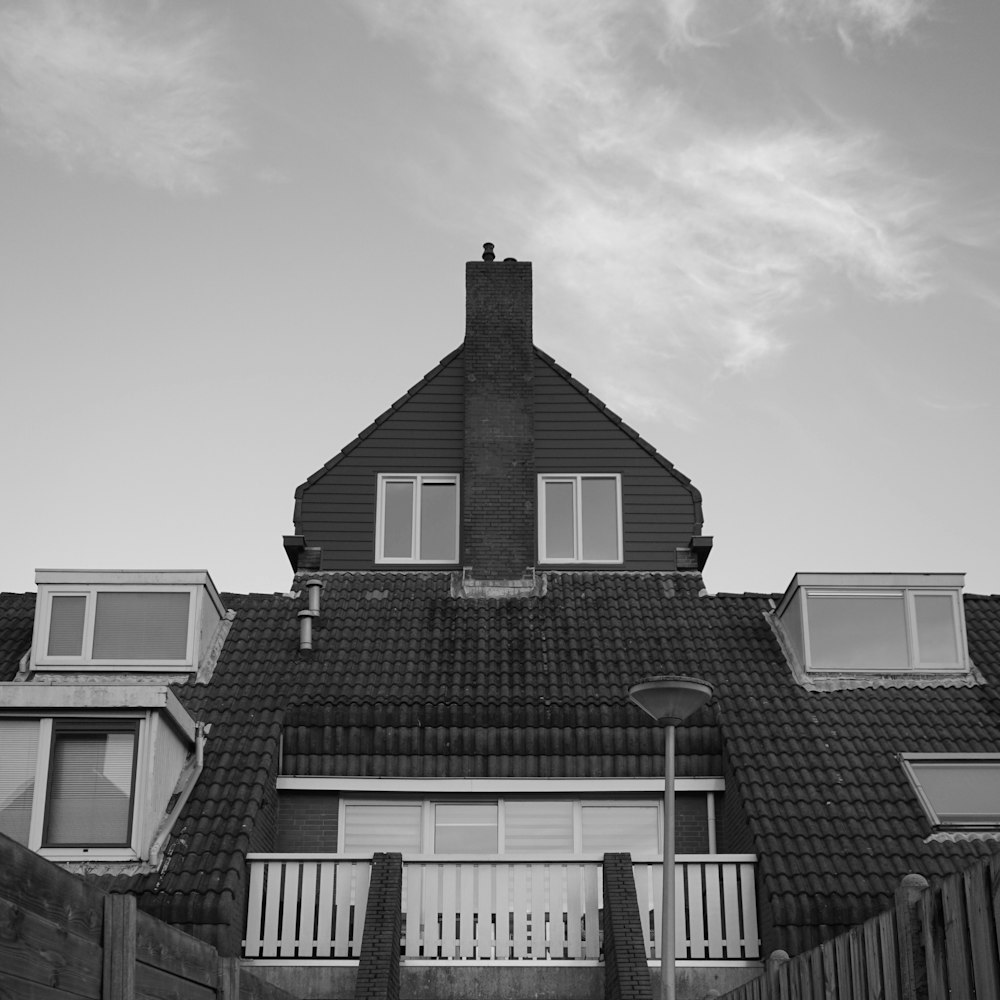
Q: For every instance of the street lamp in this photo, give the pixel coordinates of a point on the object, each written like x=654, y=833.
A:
x=669, y=700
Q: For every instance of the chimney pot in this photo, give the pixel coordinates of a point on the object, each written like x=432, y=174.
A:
x=488, y=253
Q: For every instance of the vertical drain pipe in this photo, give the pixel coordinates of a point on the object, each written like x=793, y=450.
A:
x=306, y=616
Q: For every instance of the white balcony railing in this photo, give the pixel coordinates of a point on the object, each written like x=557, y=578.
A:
x=311, y=906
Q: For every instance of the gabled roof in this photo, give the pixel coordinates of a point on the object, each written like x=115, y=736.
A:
x=558, y=369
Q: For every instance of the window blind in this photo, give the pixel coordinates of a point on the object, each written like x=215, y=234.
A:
x=90, y=788
x=141, y=625
x=18, y=751
x=376, y=827
x=66, y=620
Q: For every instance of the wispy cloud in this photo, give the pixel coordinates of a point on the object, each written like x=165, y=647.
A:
x=681, y=233
x=125, y=89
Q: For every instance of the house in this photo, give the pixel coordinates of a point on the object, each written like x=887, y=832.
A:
x=478, y=579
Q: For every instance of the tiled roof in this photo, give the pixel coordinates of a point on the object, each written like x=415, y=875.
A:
x=406, y=680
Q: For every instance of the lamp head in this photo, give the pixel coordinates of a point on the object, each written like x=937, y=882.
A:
x=670, y=699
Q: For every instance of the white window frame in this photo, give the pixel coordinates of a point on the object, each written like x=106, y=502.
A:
x=418, y=479
x=85, y=659
x=971, y=759
x=576, y=479
x=40, y=797
x=874, y=586
x=429, y=806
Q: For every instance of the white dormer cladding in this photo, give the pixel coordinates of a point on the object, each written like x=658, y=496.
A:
x=159, y=621
x=876, y=623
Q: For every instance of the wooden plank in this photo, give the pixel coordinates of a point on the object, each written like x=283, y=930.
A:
x=643, y=877
x=272, y=903
x=889, y=955
x=430, y=912
x=592, y=890
x=290, y=898
x=485, y=912
x=37, y=886
x=449, y=910
x=859, y=978
x=982, y=933
x=255, y=909
x=935, y=949
x=816, y=983
x=697, y=936
x=15, y=988
x=873, y=960
x=165, y=947
x=413, y=890
x=361, y=881
x=155, y=984
x=501, y=910
x=467, y=911
x=325, y=909
x=33, y=949
x=575, y=911
x=829, y=959
x=731, y=911
x=307, y=911
x=119, y=948
x=539, y=911
x=520, y=905
x=956, y=936
x=748, y=905
x=842, y=956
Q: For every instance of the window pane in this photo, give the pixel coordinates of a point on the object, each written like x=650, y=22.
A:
x=465, y=828
x=90, y=789
x=382, y=827
x=963, y=791
x=936, y=638
x=18, y=751
x=857, y=632
x=397, y=521
x=559, y=531
x=141, y=626
x=438, y=521
x=599, y=511
x=621, y=828
x=538, y=826
x=66, y=626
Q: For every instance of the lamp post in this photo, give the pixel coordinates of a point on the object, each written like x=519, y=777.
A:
x=669, y=700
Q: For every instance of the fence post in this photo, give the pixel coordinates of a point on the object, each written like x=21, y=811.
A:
x=776, y=961
x=909, y=938
x=119, y=947
x=229, y=979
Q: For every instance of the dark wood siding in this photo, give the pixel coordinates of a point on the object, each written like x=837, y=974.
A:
x=572, y=434
x=336, y=508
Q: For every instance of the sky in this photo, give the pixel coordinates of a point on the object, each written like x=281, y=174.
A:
x=764, y=232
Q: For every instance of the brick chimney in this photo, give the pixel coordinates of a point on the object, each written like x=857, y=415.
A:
x=498, y=481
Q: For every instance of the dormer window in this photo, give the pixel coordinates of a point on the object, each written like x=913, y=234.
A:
x=875, y=623
x=417, y=518
x=957, y=790
x=579, y=518
x=159, y=621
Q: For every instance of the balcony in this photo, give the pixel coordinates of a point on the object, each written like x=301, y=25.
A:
x=310, y=908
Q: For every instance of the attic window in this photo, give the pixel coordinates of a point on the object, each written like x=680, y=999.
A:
x=417, y=518
x=109, y=620
x=876, y=623
x=579, y=519
x=957, y=790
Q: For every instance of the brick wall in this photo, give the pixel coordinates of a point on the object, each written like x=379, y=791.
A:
x=378, y=969
x=626, y=973
x=498, y=483
x=307, y=822
x=691, y=823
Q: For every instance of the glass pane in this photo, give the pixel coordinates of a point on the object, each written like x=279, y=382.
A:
x=66, y=626
x=90, y=792
x=936, y=638
x=18, y=751
x=465, y=828
x=559, y=529
x=857, y=632
x=621, y=828
x=599, y=511
x=438, y=521
x=141, y=626
x=382, y=827
x=538, y=826
x=397, y=521
x=962, y=792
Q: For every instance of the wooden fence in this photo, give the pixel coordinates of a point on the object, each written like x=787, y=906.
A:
x=937, y=942
x=62, y=937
